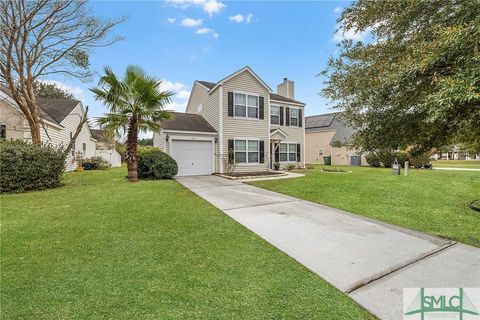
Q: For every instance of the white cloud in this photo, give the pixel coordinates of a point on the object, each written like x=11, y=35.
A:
x=180, y=91
x=238, y=18
x=209, y=6
x=175, y=106
x=171, y=20
x=183, y=94
x=172, y=86
x=207, y=31
x=77, y=92
x=350, y=34
x=189, y=22
x=338, y=10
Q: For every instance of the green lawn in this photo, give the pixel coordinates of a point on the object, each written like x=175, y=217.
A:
x=101, y=247
x=431, y=201
x=457, y=164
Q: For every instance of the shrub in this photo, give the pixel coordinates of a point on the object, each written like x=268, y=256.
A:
x=401, y=157
x=25, y=166
x=372, y=160
x=143, y=149
x=309, y=166
x=156, y=164
x=290, y=166
x=276, y=166
x=419, y=161
x=95, y=163
x=386, y=158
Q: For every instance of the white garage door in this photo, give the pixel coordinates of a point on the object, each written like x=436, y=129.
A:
x=193, y=157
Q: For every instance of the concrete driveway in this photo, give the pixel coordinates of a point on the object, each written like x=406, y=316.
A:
x=369, y=260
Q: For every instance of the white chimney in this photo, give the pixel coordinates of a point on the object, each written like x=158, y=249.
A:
x=286, y=88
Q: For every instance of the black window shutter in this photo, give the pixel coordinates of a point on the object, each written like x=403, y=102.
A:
x=298, y=152
x=230, y=104
x=261, y=109
x=287, y=117
x=281, y=116
x=262, y=151
x=277, y=153
x=231, y=148
x=300, y=118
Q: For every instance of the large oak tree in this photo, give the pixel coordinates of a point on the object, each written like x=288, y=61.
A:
x=416, y=80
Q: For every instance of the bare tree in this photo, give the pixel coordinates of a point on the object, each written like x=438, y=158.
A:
x=46, y=37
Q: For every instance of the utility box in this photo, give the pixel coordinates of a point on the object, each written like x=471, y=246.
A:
x=396, y=169
x=327, y=160
x=355, y=161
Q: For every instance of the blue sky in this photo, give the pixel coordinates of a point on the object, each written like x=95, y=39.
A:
x=180, y=41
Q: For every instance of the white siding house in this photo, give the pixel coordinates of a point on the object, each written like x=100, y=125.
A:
x=61, y=118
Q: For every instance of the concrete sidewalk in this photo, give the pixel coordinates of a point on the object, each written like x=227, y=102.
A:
x=369, y=260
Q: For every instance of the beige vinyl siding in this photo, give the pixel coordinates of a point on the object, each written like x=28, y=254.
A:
x=321, y=140
x=209, y=102
x=12, y=119
x=159, y=140
x=70, y=124
x=295, y=134
x=234, y=128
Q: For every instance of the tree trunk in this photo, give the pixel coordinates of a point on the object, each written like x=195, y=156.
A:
x=35, y=131
x=131, y=154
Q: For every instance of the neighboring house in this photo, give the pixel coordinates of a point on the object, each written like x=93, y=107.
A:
x=326, y=135
x=105, y=147
x=237, y=119
x=61, y=118
x=454, y=153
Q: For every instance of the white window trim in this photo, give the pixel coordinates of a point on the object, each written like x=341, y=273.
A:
x=279, y=115
x=288, y=153
x=246, y=151
x=323, y=151
x=290, y=118
x=246, y=105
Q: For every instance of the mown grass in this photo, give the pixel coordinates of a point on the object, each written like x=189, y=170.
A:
x=101, y=247
x=457, y=164
x=431, y=201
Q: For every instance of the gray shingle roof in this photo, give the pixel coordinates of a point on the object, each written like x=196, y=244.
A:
x=207, y=84
x=54, y=110
x=278, y=97
x=187, y=122
x=329, y=122
x=97, y=134
x=57, y=109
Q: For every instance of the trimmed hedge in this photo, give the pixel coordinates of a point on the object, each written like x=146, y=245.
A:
x=25, y=166
x=155, y=164
x=372, y=160
x=95, y=163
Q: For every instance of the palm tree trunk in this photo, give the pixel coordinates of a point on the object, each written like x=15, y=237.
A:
x=131, y=154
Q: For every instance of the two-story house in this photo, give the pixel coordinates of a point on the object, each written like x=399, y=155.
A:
x=236, y=120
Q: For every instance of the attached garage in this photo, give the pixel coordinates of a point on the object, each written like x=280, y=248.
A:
x=193, y=157
x=191, y=141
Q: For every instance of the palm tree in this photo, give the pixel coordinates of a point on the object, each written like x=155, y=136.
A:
x=136, y=104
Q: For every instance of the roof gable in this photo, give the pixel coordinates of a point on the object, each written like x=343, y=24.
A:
x=57, y=109
x=236, y=73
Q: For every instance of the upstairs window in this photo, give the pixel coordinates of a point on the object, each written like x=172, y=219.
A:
x=294, y=115
x=246, y=106
x=275, y=115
